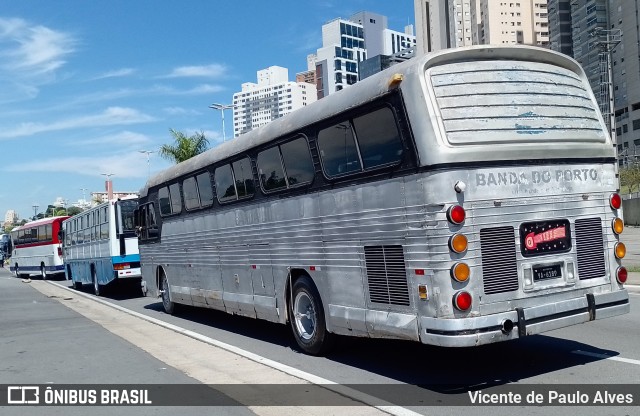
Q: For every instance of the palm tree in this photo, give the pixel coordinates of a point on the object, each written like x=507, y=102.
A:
x=185, y=147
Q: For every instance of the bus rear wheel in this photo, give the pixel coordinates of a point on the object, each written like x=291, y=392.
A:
x=43, y=272
x=169, y=306
x=307, y=318
x=94, y=280
x=18, y=274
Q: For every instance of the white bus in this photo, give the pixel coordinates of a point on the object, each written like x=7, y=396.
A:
x=100, y=245
x=37, y=248
x=460, y=198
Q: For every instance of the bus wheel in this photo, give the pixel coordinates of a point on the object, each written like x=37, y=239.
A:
x=43, y=272
x=77, y=285
x=307, y=318
x=96, y=285
x=20, y=275
x=169, y=306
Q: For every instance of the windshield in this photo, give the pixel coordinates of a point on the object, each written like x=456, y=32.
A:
x=126, y=209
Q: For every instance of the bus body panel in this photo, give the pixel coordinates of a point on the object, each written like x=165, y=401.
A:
x=379, y=251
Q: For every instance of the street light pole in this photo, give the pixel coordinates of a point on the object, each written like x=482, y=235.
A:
x=35, y=211
x=109, y=185
x=222, y=107
x=148, y=153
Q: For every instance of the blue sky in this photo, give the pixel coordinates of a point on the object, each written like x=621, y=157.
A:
x=85, y=85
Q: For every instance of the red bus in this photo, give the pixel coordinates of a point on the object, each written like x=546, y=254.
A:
x=37, y=248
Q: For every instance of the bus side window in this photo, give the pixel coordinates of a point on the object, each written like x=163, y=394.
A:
x=163, y=199
x=204, y=189
x=150, y=220
x=297, y=162
x=225, y=184
x=338, y=150
x=270, y=170
x=378, y=138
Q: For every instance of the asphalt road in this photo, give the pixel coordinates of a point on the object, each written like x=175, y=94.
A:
x=574, y=355
x=43, y=341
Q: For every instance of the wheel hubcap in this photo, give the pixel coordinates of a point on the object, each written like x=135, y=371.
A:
x=304, y=315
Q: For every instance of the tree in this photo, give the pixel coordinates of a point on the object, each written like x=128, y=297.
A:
x=184, y=147
x=71, y=211
x=630, y=177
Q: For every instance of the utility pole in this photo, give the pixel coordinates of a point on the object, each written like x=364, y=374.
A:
x=35, y=211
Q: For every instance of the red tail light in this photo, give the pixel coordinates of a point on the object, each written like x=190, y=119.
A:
x=456, y=214
x=621, y=275
x=59, y=251
x=615, y=201
x=462, y=301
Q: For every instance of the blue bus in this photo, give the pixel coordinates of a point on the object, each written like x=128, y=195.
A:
x=100, y=245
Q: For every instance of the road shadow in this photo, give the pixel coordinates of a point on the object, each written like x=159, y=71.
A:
x=437, y=369
x=116, y=290
x=270, y=332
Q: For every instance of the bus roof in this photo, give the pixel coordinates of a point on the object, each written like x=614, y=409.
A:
x=42, y=221
x=355, y=95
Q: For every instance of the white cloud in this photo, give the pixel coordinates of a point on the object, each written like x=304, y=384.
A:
x=180, y=111
x=206, y=71
x=32, y=50
x=112, y=116
x=117, y=73
x=124, y=139
x=126, y=165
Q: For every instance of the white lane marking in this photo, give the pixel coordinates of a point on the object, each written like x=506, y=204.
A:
x=328, y=384
x=607, y=357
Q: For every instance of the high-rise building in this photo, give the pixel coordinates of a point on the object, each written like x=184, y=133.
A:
x=272, y=97
x=346, y=43
x=513, y=22
x=433, y=31
x=625, y=56
x=560, y=26
x=10, y=217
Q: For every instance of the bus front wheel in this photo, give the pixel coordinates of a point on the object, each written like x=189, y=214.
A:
x=167, y=303
x=307, y=318
x=43, y=272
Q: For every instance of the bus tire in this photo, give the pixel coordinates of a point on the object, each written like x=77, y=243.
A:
x=167, y=303
x=307, y=318
x=77, y=285
x=43, y=272
x=20, y=275
x=94, y=280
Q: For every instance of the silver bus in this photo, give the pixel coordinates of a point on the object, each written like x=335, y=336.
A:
x=100, y=245
x=460, y=198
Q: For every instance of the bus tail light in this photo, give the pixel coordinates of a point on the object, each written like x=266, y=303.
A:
x=462, y=301
x=618, y=225
x=460, y=272
x=621, y=275
x=121, y=266
x=615, y=201
x=620, y=250
x=458, y=243
x=456, y=214
x=59, y=251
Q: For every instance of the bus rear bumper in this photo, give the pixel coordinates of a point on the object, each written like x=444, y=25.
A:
x=468, y=332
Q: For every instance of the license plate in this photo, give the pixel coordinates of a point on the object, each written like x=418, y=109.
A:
x=545, y=237
x=547, y=272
